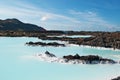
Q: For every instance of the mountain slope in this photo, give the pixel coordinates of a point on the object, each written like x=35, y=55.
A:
x=16, y=25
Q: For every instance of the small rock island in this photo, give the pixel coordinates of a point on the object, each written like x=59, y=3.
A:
x=89, y=59
x=55, y=44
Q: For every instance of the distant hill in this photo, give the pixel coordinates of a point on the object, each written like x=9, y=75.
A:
x=16, y=25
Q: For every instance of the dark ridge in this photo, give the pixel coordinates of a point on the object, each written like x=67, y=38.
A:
x=17, y=25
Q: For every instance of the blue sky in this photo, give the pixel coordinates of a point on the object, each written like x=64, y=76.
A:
x=78, y=15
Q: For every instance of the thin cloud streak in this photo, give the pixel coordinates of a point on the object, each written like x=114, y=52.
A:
x=93, y=19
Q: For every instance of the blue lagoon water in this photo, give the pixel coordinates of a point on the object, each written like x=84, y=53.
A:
x=74, y=36
x=15, y=65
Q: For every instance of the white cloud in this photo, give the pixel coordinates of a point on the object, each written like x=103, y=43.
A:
x=46, y=17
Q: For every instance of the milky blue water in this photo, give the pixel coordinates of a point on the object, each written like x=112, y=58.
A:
x=73, y=36
x=14, y=67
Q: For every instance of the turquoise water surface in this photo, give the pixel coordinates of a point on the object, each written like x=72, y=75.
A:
x=74, y=36
x=15, y=66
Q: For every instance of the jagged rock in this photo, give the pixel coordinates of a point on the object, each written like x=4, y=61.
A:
x=49, y=54
x=90, y=59
x=118, y=78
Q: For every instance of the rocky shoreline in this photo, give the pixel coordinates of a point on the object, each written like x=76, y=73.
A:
x=75, y=59
x=45, y=44
x=100, y=39
x=103, y=39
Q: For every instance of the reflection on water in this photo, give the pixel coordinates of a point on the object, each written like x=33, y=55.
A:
x=14, y=67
